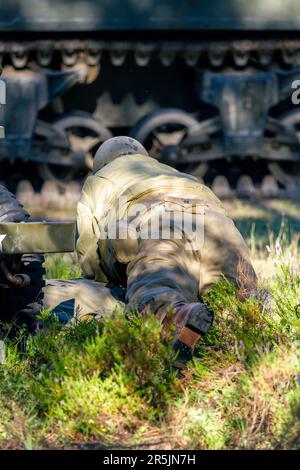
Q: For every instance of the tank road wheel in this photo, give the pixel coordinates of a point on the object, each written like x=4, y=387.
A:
x=161, y=130
x=84, y=134
x=288, y=174
x=19, y=301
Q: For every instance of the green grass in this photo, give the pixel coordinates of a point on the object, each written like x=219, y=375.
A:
x=113, y=384
x=62, y=266
x=262, y=222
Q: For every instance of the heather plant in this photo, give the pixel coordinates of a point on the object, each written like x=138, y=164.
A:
x=113, y=384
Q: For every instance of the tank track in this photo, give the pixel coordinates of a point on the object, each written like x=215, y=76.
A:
x=68, y=53
x=214, y=53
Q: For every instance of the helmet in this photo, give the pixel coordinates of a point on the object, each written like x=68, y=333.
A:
x=117, y=147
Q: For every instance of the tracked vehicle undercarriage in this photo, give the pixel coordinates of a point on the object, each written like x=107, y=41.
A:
x=209, y=90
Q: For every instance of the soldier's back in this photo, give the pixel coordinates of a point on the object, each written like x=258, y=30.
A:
x=136, y=176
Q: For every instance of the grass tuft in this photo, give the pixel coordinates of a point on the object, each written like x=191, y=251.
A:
x=112, y=384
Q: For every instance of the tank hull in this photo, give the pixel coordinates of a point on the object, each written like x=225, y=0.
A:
x=147, y=15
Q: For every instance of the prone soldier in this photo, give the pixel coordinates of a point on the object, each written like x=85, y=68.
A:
x=150, y=238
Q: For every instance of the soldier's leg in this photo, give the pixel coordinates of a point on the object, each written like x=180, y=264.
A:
x=81, y=298
x=163, y=276
x=225, y=254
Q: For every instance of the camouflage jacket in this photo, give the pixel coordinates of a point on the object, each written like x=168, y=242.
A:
x=127, y=179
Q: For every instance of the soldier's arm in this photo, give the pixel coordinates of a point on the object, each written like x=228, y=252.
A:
x=86, y=246
x=91, y=210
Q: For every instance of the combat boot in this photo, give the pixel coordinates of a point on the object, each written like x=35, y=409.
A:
x=195, y=320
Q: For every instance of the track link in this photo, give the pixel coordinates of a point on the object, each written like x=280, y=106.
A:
x=73, y=51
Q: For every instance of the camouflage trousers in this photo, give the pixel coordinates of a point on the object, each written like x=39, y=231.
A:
x=161, y=274
x=81, y=299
